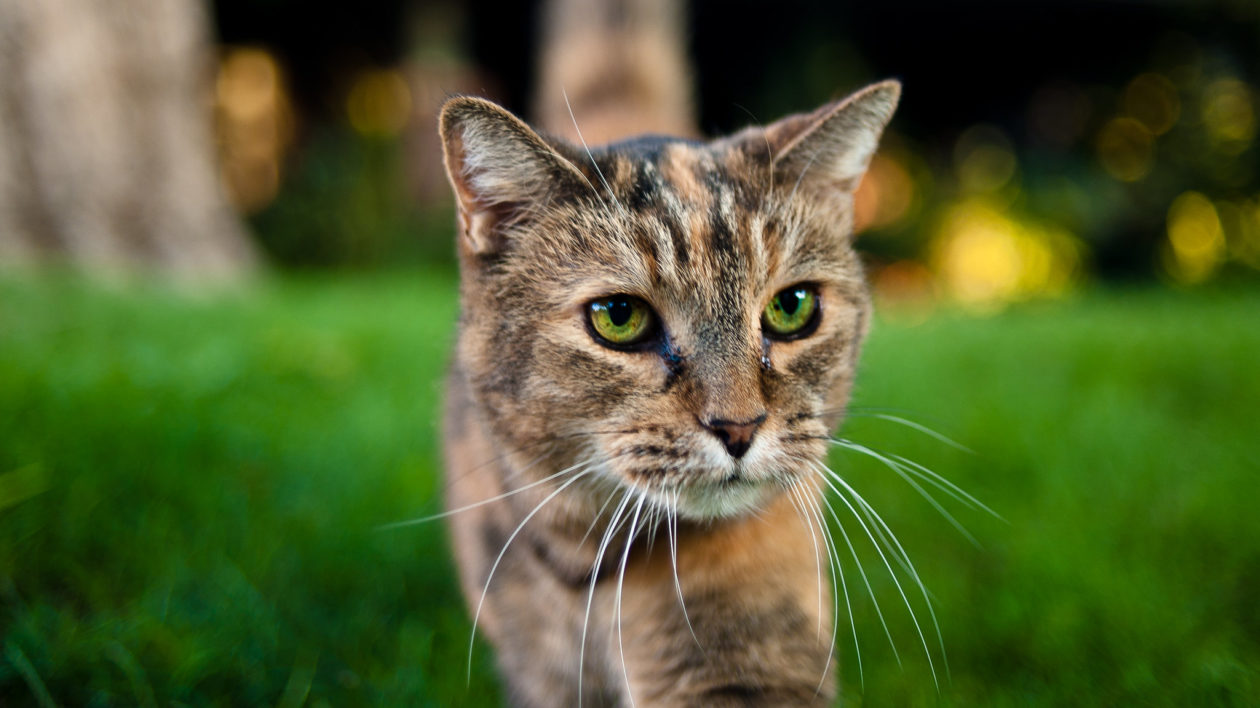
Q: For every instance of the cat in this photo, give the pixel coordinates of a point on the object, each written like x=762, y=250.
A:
x=656, y=338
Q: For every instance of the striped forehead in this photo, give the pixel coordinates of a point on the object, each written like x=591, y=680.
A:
x=697, y=222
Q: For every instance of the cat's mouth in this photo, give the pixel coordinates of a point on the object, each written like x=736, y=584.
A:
x=709, y=483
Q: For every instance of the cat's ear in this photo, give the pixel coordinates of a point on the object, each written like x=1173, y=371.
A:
x=501, y=171
x=832, y=146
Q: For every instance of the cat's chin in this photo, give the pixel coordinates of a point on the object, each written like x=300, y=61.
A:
x=729, y=499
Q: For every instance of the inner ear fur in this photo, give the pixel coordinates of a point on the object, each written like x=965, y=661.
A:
x=831, y=147
x=501, y=171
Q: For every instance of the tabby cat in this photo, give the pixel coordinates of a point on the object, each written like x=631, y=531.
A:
x=656, y=338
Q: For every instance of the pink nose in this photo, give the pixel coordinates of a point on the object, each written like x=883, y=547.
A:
x=736, y=436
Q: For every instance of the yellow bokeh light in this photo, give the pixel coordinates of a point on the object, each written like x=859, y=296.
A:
x=1240, y=222
x=1229, y=114
x=1152, y=100
x=984, y=158
x=1126, y=149
x=1196, y=237
x=247, y=83
x=253, y=125
x=980, y=261
x=984, y=256
x=379, y=103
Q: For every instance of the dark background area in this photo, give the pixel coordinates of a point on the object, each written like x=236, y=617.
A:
x=961, y=61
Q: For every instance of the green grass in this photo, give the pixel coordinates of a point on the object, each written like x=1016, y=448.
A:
x=191, y=490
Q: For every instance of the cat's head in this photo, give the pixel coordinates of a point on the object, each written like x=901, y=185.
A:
x=678, y=316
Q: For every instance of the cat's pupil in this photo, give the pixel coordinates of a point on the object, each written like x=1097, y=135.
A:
x=790, y=301
x=619, y=312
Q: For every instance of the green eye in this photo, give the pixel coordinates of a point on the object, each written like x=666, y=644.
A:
x=791, y=313
x=621, y=320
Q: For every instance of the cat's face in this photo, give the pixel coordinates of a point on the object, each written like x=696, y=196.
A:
x=679, y=317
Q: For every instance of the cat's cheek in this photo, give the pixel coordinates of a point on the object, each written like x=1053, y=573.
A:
x=779, y=356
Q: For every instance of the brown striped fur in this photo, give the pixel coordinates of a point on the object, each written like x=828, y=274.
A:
x=706, y=233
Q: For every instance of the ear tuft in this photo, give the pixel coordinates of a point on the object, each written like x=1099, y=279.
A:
x=501, y=171
x=832, y=146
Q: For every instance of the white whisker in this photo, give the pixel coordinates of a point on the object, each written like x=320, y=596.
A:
x=768, y=198
x=503, y=551
x=922, y=429
x=672, y=520
x=613, y=524
x=902, y=472
x=913, y=572
x=833, y=560
x=848, y=542
x=474, y=505
x=801, y=177
x=590, y=155
x=914, y=575
x=598, y=515
x=652, y=523
x=799, y=503
x=838, y=570
x=848, y=604
x=621, y=577
x=947, y=486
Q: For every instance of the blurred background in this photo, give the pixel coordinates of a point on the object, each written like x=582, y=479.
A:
x=1038, y=144
x=228, y=292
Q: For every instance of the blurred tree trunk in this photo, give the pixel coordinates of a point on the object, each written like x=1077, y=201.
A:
x=438, y=69
x=106, y=150
x=616, y=68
